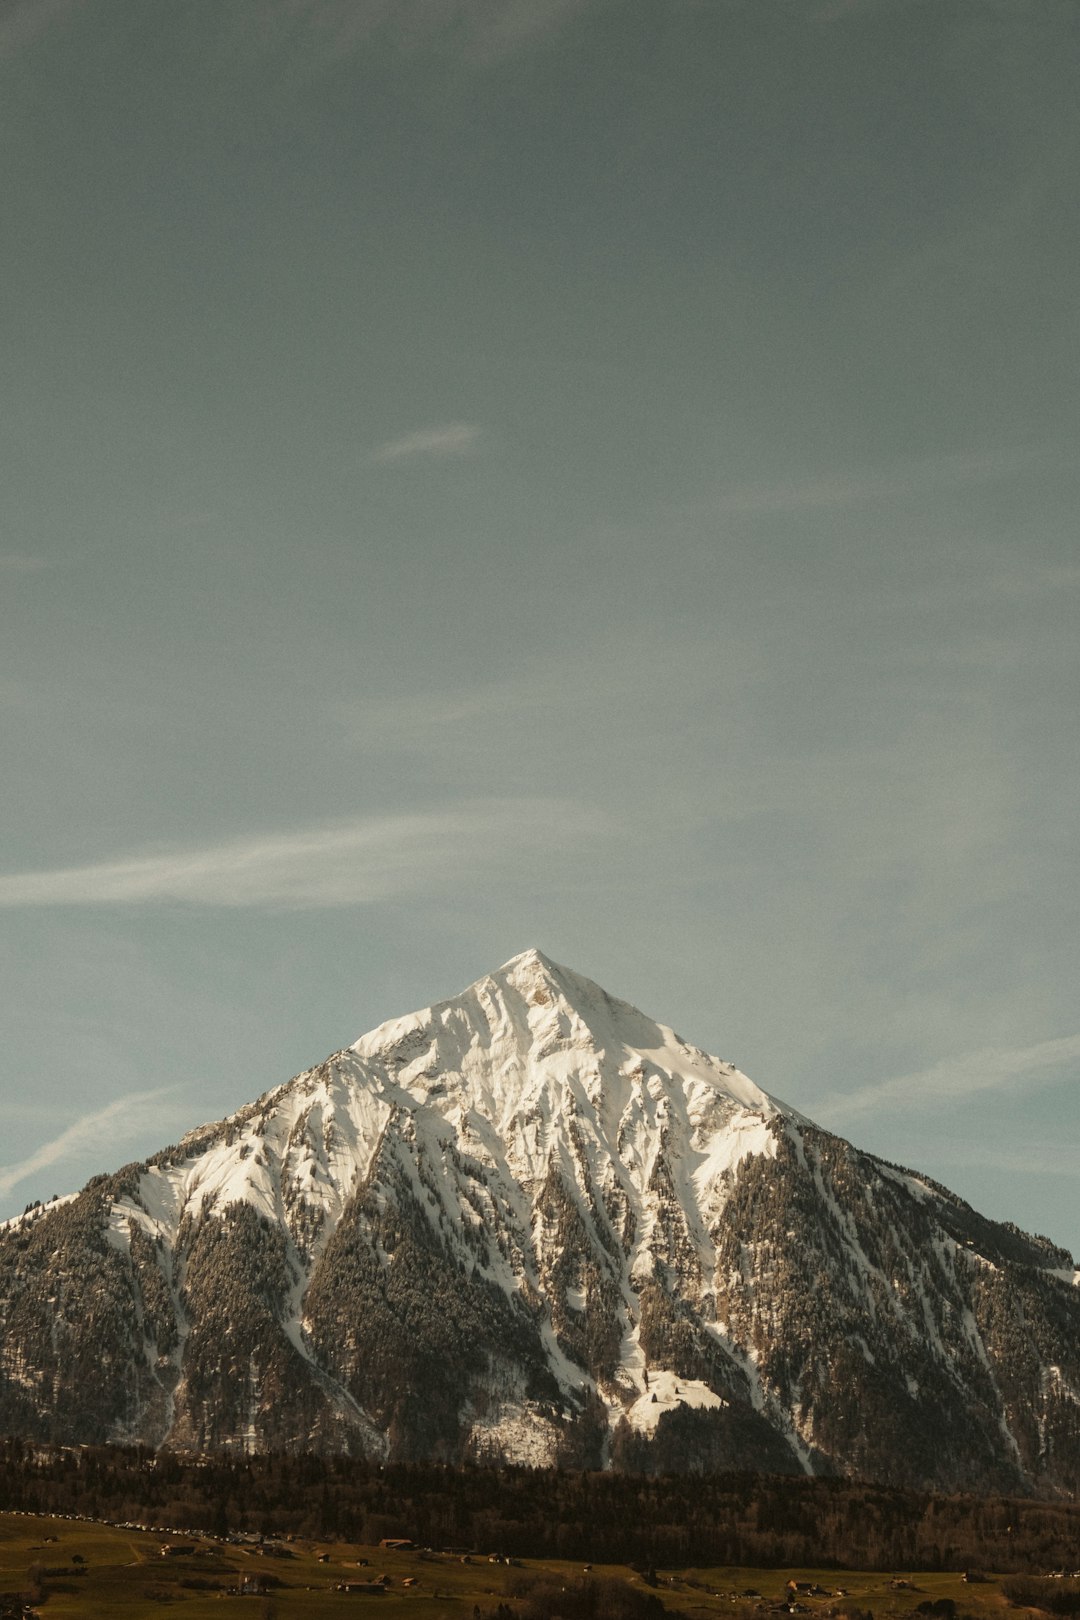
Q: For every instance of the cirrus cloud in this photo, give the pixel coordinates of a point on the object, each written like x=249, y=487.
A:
x=451, y=439
x=121, y=1120
x=342, y=863
x=989, y=1069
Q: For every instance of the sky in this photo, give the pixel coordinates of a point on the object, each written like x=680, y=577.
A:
x=589, y=474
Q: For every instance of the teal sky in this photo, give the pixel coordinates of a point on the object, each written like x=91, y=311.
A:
x=591, y=474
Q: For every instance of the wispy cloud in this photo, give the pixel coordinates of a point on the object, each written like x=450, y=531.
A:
x=1043, y=1159
x=926, y=475
x=459, y=720
x=343, y=863
x=121, y=1120
x=992, y=1069
x=452, y=439
x=24, y=21
x=17, y=562
x=507, y=26
x=483, y=30
x=300, y=41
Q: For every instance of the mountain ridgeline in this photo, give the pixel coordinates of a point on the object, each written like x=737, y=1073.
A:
x=530, y=1225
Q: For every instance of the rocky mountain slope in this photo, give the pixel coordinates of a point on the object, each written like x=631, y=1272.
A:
x=532, y=1224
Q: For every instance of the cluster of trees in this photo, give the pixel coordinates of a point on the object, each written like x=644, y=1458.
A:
x=546, y=1597
x=738, y=1519
x=1053, y=1597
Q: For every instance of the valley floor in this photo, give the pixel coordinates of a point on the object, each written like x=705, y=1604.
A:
x=91, y=1570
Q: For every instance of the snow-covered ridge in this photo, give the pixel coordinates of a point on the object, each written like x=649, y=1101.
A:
x=535, y=1007
x=35, y=1211
x=508, y=1064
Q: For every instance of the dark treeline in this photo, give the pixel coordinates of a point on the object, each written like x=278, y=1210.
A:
x=1053, y=1597
x=672, y=1520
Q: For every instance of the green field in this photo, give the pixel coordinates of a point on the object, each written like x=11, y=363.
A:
x=126, y=1575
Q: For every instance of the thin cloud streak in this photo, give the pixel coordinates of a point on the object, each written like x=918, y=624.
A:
x=453, y=716
x=452, y=439
x=17, y=562
x=1045, y=1159
x=500, y=30
x=992, y=1069
x=927, y=475
x=343, y=863
x=119, y=1121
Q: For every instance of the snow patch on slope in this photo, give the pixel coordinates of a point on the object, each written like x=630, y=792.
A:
x=666, y=1392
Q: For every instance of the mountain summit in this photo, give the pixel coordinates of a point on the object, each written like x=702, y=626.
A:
x=531, y=1224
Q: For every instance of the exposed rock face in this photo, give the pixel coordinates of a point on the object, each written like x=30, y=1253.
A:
x=532, y=1224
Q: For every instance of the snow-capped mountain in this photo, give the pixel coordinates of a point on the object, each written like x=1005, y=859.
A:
x=531, y=1224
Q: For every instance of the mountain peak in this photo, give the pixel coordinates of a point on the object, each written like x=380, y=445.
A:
x=535, y=1025
x=531, y=958
x=532, y=1224
x=531, y=972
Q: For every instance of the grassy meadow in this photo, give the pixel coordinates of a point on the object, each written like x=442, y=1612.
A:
x=123, y=1573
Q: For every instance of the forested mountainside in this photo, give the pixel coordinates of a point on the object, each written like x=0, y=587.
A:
x=764, y=1521
x=532, y=1225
